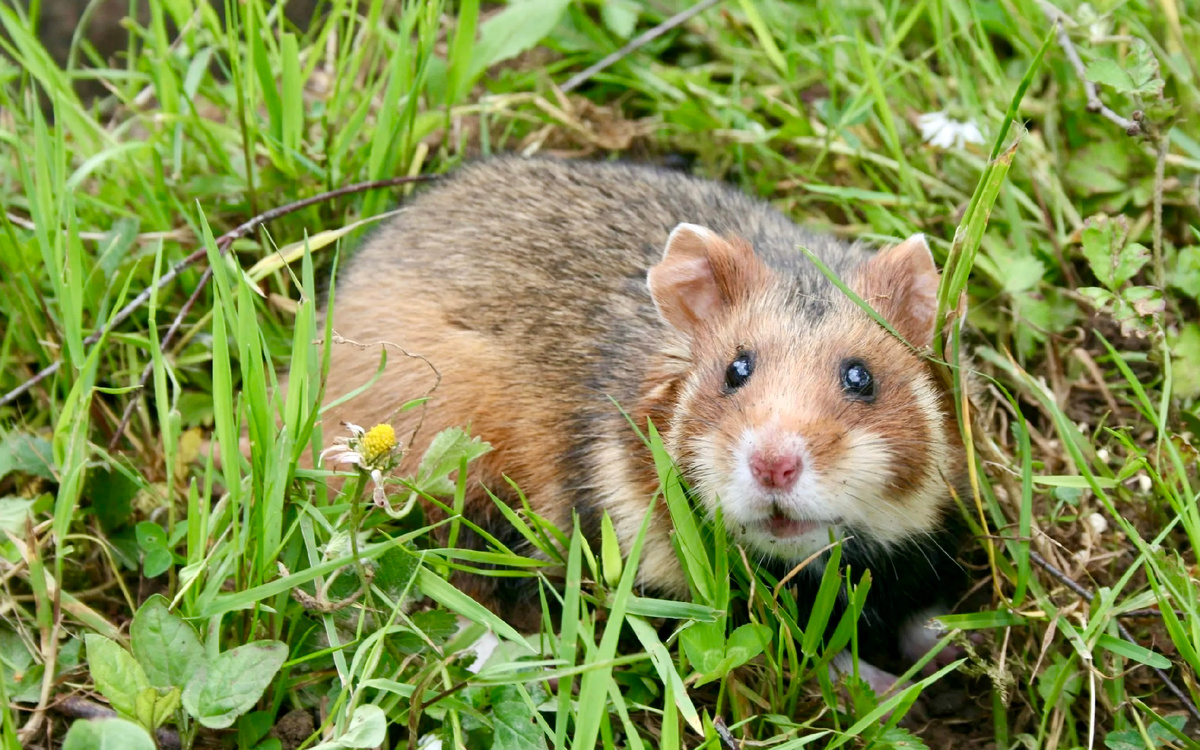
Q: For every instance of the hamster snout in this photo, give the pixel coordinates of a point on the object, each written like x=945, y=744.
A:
x=788, y=484
x=775, y=469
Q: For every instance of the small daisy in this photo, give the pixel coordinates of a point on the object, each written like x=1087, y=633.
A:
x=941, y=131
x=372, y=451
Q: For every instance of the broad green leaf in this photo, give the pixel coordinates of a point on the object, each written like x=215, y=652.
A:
x=513, y=30
x=1185, y=274
x=13, y=512
x=443, y=457
x=704, y=645
x=1185, y=351
x=1021, y=274
x=151, y=536
x=252, y=730
x=166, y=646
x=1100, y=167
x=166, y=705
x=1131, y=739
x=744, y=644
x=232, y=683
x=1142, y=68
x=117, y=674
x=1134, y=309
x=157, y=562
x=26, y=453
x=1110, y=73
x=898, y=738
x=107, y=734
x=513, y=722
x=144, y=707
x=1112, y=259
x=1061, y=678
x=1144, y=301
x=620, y=17
x=153, y=707
x=367, y=728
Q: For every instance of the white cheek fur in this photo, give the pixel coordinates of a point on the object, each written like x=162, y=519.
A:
x=853, y=492
x=857, y=490
x=746, y=507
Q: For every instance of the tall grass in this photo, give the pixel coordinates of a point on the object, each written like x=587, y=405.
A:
x=1073, y=365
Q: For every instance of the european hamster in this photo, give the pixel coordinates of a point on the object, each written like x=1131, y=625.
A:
x=543, y=290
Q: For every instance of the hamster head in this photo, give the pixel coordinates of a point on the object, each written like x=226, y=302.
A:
x=799, y=414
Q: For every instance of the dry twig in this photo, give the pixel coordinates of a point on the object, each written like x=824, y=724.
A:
x=1094, y=103
x=636, y=43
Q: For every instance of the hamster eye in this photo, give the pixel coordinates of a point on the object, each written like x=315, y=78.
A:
x=857, y=381
x=739, y=371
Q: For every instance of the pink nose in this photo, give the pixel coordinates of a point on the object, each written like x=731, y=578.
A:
x=775, y=471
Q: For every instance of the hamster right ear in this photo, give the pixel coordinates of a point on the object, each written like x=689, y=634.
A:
x=700, y=276
x=901, y=283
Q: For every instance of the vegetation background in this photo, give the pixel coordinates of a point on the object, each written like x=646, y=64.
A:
x=221, y=604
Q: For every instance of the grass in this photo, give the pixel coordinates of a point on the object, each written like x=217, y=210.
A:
x=1077, y=247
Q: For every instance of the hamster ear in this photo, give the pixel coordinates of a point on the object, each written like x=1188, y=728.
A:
x=901, y=284
x=700, y=276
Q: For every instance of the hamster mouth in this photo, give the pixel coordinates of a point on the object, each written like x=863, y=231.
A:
x=781, y=526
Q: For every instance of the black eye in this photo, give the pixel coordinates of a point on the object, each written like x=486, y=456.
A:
x=739, y=371
x=857, y=381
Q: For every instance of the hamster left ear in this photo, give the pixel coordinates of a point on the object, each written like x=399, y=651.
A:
x=901, y=284
x=701, y=276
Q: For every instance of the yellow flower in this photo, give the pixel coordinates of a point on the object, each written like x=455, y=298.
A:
x=373, y=451
x=379, y=441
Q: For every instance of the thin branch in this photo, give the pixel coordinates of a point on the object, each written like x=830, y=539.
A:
x=636, y=43
x=1088, y=596
x=1147, y=614
x=1094, y=104
x=223, y=243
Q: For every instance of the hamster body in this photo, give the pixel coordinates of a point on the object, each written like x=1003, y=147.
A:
x=543, y=291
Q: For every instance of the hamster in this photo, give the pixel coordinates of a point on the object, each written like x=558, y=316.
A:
x=543, y=291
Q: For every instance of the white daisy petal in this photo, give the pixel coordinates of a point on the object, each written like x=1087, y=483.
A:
x=940, y=131
x=341, y=454
x=331, y=450
x=970, y=132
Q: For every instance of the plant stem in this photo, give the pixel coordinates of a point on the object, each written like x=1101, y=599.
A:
x=356, y=516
